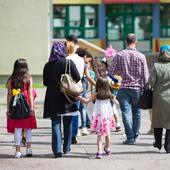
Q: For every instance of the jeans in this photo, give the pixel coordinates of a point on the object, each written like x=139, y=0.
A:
x=85, y=119
x=57, y=134
x=75, y=124
x=131, y=113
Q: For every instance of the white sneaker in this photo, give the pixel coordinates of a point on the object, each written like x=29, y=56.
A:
x=18, y=154
x=78, y=133
x=28, y=152
x=84, y=131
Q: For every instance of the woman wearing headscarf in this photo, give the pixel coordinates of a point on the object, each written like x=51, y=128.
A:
x=160, y=82
x=56, y=105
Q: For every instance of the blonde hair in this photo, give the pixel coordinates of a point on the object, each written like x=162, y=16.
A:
x=70, y=47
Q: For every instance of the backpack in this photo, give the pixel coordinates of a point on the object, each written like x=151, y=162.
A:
x=19, y=107
x=99, y=67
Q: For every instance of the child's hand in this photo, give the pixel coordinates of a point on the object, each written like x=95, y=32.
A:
x=78, y=98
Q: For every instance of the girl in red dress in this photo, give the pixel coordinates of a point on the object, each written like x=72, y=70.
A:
x=20, y=79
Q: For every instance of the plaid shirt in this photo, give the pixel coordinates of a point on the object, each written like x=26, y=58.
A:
x=132, y=66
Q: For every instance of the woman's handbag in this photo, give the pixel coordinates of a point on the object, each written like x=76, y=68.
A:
x=67, y=85
x=145, y=101
x=18, y=107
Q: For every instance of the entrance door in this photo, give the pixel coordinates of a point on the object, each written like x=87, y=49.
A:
x=122, y=20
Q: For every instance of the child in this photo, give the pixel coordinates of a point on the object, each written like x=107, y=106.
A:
x=21, y=80
x=102, y=118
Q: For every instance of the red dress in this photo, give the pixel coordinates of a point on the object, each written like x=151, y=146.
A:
x=27, y=123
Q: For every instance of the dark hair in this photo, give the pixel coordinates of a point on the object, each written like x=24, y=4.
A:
x=72, y=38
x=103, y=89
x=131, y=38
x=83, y=52
x=20, y=73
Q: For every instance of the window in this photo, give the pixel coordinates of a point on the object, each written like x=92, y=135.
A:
x=165, y=20
x=73, y=19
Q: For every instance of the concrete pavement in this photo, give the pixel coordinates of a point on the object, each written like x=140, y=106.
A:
x=141, y=156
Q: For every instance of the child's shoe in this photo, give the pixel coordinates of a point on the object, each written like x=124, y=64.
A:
x=118, y=129
x=107, y=151
x=84, y=131
x=98, y=155
x=29, y=152
x=18, y=154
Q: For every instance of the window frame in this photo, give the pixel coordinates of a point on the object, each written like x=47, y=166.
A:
x=82, y=26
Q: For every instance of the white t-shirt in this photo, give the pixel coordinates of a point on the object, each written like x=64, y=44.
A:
x=79, y=62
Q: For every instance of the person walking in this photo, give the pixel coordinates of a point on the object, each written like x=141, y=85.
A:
x=21, y=82
x=131, y=65
x=56, y=104
x=160, y=82
x=102, y=119
x=85, y=118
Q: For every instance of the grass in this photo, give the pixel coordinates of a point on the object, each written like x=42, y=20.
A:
x=2, y=86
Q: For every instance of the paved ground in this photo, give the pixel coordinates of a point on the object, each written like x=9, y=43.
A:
x=141, y=156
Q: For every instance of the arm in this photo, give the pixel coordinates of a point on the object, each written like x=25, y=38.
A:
x=74, y=72
x=87, y=100
x=45, y=75
x=87, y=73
x=30, y=94
x=145, y=73
x=9, y=95
x=152, y=78
x=113, y=66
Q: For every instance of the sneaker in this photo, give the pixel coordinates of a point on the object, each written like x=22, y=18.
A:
x=29, y=152
x=107, y=151
x=98, y=155
x=18, y=154
x=78, y=133
x=58, y=155
x=84, y=131
x=118, y=129
x=150, y=132
x=129, y=142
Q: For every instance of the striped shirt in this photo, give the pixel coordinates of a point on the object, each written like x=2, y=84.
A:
x=132, y=66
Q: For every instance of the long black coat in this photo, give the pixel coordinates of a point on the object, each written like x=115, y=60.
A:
x=55, y=101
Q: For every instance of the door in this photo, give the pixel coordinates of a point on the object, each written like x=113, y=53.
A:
x=119, y=23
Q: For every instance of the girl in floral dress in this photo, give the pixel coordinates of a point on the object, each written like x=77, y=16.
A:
x=102, y=119
x=21, y=81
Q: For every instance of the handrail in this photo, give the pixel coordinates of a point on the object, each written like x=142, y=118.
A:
x=94, y=49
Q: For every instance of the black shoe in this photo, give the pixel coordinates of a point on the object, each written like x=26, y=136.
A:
x=74, y=141
x=156, y=145
x=58, y=155
x=88, y=126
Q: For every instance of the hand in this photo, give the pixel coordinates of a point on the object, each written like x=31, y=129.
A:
x=78, y=98
x=8, y=113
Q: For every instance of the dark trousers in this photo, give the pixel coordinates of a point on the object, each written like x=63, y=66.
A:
x=158, y=138
x=57, y=134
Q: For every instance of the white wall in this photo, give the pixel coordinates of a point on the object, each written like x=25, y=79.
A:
x=24, y=33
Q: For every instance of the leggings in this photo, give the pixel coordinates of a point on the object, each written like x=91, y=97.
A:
x=18, y=136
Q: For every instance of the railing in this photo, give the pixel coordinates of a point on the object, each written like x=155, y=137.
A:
x=94, y=49
x=97, y=51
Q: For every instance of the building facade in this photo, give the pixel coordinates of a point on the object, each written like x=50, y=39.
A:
x=109, y=21
x=28, y=27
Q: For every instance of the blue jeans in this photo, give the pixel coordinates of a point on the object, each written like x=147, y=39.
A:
x=75, y=124
x=85, y=119
x=131, y=113
x=57, y=134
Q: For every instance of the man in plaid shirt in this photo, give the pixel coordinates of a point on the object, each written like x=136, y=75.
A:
x=132, y=66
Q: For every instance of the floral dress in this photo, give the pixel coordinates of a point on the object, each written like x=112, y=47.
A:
x=102, y=119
